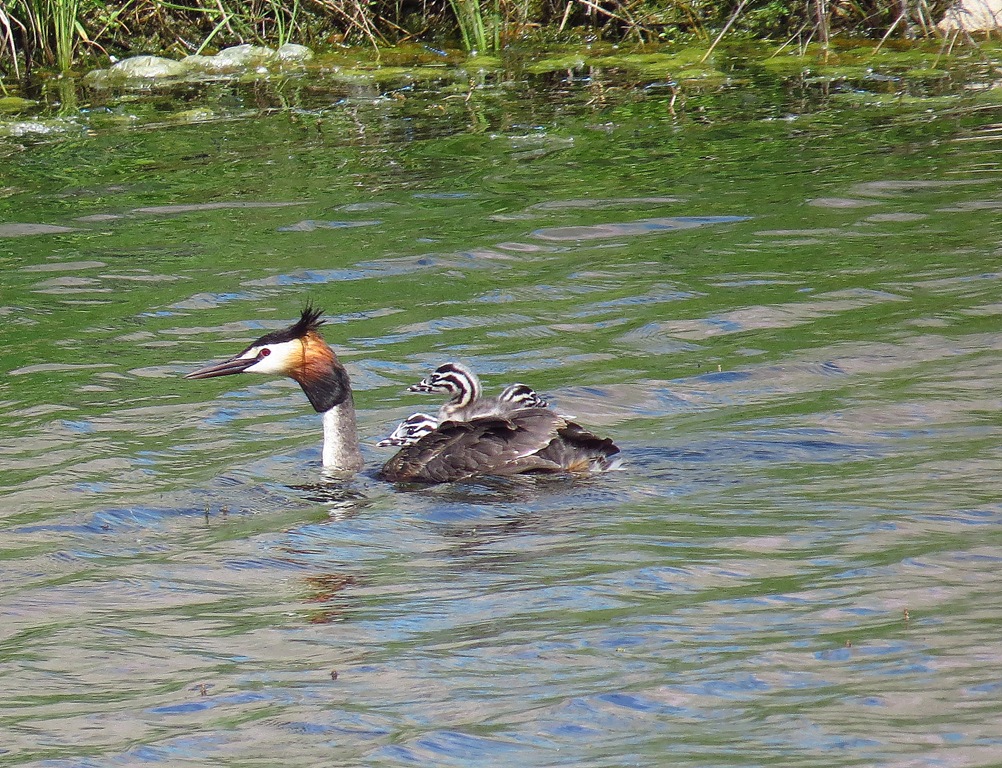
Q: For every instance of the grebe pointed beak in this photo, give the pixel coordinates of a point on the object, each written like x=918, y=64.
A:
x=236, y=365
x=421, y=387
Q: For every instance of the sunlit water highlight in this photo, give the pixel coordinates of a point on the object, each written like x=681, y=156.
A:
x=791, y=331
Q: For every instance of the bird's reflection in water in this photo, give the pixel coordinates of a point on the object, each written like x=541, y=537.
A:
x=337, y=493
x=499, y=491
x=324, y=592
x=471, y=518
x=475, y=516
x=326, y=589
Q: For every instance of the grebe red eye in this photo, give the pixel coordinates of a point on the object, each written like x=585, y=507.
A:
x=264, y=352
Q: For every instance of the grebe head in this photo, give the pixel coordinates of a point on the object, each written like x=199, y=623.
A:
x=298, y=352
x=521, y=396
x=410, y=430
x=454, y=379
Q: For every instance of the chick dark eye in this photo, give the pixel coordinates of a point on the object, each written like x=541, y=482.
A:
x=264, y=352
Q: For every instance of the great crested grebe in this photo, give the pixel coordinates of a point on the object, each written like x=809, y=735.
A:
x=523, y=440
x=417, y=425
x=466, y=400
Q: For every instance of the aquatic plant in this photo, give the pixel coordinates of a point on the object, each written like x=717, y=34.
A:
x=472, y=26
x=42, y=31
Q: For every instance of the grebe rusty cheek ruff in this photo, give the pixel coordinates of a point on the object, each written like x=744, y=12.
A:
x=523, y=440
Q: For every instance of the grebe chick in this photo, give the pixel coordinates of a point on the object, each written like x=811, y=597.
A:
x=410, y=430
x=521, y=396
x=417, y=425
x=466, y=400
x=463, y=388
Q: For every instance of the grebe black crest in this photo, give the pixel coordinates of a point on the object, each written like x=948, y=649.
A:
x=518, y=439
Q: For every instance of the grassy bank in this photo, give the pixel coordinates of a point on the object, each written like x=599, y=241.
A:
x=63, y=34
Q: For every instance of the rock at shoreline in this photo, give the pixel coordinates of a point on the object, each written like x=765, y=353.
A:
x=144, y=71
x=144, y=67
x=290, y=53
x=973, y=16
x=243, y=57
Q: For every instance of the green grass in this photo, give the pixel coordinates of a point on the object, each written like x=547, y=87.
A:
x=46, y=30
x=60, y=34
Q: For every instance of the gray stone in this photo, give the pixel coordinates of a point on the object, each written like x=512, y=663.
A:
x=290, y=53
x=244, y=57
x=146, y=67
x=199, y=63
x=973, y=16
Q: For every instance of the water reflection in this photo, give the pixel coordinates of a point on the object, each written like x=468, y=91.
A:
x=15, y=229
x=621, y=229
x=796, y=564
x=310, y=225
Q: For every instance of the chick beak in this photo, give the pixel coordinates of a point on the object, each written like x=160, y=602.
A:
x=236, y=365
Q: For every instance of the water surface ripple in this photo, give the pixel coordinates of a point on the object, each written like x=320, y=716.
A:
x=791, y=330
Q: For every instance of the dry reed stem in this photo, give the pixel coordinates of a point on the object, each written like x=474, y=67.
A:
x=887, y=34
x=793, y=37
x=567, y=13
x=7, y=22
x=727, y=26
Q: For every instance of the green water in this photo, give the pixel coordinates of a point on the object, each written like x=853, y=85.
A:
x=779, y=294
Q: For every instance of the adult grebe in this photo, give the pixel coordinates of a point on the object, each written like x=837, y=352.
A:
x=522, y=440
